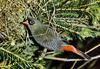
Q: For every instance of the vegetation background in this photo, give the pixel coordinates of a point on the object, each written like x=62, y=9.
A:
x=76, y=21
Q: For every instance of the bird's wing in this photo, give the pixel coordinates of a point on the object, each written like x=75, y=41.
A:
x=48, y=39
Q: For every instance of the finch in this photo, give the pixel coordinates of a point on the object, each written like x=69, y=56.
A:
x=46, y=37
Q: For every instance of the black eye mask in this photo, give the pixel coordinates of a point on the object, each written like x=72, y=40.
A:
x=30, y=20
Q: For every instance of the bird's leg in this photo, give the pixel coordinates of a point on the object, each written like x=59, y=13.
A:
x=38, y=55
x=43, y=54
x=53, y=53
x=50, y=52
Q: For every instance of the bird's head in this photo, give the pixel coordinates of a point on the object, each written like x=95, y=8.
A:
x=31, y=23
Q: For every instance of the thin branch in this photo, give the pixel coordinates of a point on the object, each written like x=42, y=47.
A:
x=68, y=60
x=65, y=28
x=47, y=3
x=84, y=26
x=62, y=59
x=75, y=23
x=65, y=59
x=84, y=64
x=96, y=57
x=92, y=48
x=90, y=4
x=72, y=67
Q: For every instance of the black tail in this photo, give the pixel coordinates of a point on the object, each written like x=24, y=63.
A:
x=85, y=56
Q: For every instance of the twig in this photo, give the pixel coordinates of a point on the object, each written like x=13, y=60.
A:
x=92, y=48
x=75, y=23
x=90, y=4
x=92, y=57
x=72, y=67
x=68, y=60
x=65, y=28
x=62, y=59
x=65, y=59
x=96, y=57
x=84, y=64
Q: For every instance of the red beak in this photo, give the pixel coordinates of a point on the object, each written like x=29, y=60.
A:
x=25, y=23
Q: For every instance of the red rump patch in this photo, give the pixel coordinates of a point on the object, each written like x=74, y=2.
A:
x=69, y=48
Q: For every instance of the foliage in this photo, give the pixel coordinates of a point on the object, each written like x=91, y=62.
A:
x=65, y=16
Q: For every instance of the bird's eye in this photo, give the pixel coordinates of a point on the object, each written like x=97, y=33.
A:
x=31, y=22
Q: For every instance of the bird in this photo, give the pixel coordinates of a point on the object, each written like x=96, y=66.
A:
x=46, y=37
